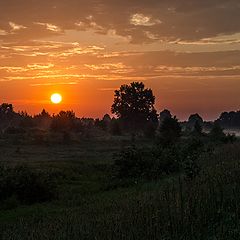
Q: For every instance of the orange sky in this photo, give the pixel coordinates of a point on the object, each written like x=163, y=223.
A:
x=187, y=51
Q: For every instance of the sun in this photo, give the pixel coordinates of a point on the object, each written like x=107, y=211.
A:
x=56, y=98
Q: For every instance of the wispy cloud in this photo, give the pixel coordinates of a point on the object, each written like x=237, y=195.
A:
x=106, y=66
x=49, y=26
x=107, y=89
x=54, y=76
x=54, y=83
x=3, y=32
x=16, y=27
x=37, y=66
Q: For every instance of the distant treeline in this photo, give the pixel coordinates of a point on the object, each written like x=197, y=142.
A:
x=65, y=121
x=133, y=107
x=11, y=121
x=229, y=119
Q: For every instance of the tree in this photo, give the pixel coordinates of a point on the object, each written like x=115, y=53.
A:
x=197, y=129
x=26, y=120
x=229, y=119
x=134, y=105
x=6, y=108
x=64, y=121
x=217, y=134
x=6, y=112
x=165, y=114
x=193, y=119
x=8, y=118
x=170, y=131
x=105, y=123
x=43, y=119
x=107, y=119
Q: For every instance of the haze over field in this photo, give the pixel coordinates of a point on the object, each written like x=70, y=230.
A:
x=187, y=51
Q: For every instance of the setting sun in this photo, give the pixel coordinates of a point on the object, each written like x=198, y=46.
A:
x=56, y=98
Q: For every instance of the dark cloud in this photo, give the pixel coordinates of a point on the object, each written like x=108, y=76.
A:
x=156, y=19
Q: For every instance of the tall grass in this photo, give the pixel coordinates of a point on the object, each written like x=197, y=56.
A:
x=205, y=208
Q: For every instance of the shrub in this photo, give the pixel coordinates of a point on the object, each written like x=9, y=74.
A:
x=148, y=163
x=216, y=134
x=167, y=160
x=191, y=153
x=133, y=163
x=26, y=185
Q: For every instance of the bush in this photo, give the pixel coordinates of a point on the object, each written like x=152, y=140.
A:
x=133, y=163
x=216, y=134
x=167, y=160
x=154, y=163
x=147, y=164
x=190, y=154
x=26, y=185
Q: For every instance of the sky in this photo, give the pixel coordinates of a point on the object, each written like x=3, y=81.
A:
x=186, y=51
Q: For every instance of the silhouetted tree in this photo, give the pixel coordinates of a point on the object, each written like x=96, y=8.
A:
x=193, y=119
x=26, y=120
x=8, y=118
x=98, y=123
x=104, y=124
x=6, y=108
x=164, y=114
x=216, y=133
x=107, y=119
x=64, y=121
x=134, y=105
x=43, y=119
x=229, y=119
x=170, y=131
x=197, y=129
x=6, y=112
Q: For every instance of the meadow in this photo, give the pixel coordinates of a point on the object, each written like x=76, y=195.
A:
x=91, y=206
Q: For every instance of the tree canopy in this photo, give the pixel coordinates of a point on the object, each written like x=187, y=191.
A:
x=134, y=105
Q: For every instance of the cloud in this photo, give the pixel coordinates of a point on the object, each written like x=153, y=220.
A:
x=53, y=49
x=13, y=69
x=37, y=60
x=50, y=76
x=53, y=83
x=106, y=66
x=16, y=27
x=139, y=19
x=50, y=27
x=37, y=66
x=220, y=40
x=107, y=89
x=167, y=20
x=3, y=32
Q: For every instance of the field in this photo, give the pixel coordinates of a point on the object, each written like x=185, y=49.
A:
x=90, y=206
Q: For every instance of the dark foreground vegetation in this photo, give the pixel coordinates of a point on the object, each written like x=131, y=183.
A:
x=139, y=176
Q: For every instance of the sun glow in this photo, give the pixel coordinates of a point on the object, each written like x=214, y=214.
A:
x=56, y=98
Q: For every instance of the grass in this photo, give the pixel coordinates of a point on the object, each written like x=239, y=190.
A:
x=171, y=208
